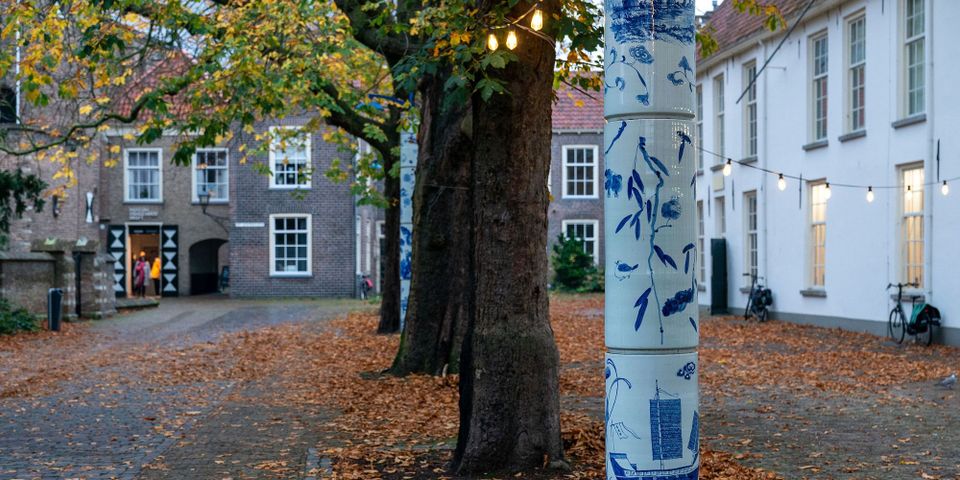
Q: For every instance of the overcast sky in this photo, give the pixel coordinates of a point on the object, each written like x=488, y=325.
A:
x=705, y=5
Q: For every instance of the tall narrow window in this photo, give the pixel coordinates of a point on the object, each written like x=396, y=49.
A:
x=579, y=171
x=718, y=127
x=586, y=232
x=819, y=61
x=701, y=245
x=911, y=226
x=8, y=105
x=750, y=240
x=699, y=127
x=720, y=218
x=857, y=57
x=818, y=234
x=211, y=173
x=142, y=175
x=290, y=160
x=290, y=245
x=914, y=35
x=750, y=110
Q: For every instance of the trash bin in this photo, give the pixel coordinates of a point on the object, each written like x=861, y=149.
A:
x=54, y=308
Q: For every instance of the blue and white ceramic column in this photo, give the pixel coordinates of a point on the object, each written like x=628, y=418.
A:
x=408, y=168
x=651, y=313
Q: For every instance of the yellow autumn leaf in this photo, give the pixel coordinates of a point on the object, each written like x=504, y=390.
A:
x=86, y=109
x=115, y=149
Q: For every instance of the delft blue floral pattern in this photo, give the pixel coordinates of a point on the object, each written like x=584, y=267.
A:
x=639, y=55
x=683, y=76
x=406, y=246
x=687, y=370
x=669, y=21
x=652, y=215
x=612, y=183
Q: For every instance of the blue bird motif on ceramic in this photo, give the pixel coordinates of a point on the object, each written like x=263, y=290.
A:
x=612, y=183
x=643, y=20
x=624, y=270
x=683, y=76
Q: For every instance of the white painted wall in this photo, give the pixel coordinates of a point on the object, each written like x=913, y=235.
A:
x=863, y=252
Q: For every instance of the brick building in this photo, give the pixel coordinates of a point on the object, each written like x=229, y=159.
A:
x=576, y=170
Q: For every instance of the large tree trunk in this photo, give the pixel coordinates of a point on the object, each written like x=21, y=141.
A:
x=509, y=380
x=441, y=289
x=390, y=296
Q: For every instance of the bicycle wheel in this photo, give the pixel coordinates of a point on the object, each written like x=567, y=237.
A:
x=896, y=326
x=762, y=314
x=925, y=330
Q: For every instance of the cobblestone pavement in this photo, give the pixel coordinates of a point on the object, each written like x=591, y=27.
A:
x=108, y=423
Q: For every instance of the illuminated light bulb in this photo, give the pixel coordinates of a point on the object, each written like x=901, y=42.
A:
x=511, y=39
x=945, y=189
x=536, y=22
x=492, y=42
x=728, y=168
x=869, y=194
x=826, y=192
x=782, y=183
x=909, y=192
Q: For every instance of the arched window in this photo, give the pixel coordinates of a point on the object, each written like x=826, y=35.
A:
x=8, y=105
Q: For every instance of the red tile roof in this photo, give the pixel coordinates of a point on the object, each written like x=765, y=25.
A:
x=577, y=110
x=730, y=26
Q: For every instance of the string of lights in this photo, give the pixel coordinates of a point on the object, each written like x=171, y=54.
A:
x=782, y=179
x=511, y=40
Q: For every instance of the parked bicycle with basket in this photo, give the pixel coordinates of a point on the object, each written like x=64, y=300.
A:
x=759, y=301
x=921, y=323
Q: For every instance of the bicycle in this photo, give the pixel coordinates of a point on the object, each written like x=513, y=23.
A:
x=758, y=301
x=923, y=318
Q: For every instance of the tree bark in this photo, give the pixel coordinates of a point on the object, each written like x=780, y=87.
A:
x=509, y=380
x=441, y=289
x=390, y=296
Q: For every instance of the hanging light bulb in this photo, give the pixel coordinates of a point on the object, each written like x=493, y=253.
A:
x=869, y=194
x=826, y=192
x=511, y=39
x=728, y=168
x=536, y=22
x=945, y=189
x=909, y=193
x=782, y=183
x=492, y=42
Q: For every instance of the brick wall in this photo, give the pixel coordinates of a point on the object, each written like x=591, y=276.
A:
x=332, y=209
x=562, y=208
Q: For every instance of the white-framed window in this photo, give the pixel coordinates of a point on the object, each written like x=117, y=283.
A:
x=720, y=218
x=290, y=165
x=585, y=231
x=143, y=175
x=911, y=224
x=701, y=245
x=211, y=174
x=699, y=127
x=751, y=243
x=819, y=63
x=914, y=36
x=856, y=73
x=580, y=171
x=818, y=234
x=291, y=247
x=750, y=110
x=718, y=126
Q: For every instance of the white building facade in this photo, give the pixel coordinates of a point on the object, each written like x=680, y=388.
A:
x=861, y=93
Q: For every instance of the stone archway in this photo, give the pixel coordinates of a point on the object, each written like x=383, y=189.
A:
x=205, y=266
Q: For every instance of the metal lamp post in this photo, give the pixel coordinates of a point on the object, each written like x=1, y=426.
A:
x=651, y=312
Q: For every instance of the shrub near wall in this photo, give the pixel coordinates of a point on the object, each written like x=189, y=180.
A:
x=15, y=319
x=574, y=270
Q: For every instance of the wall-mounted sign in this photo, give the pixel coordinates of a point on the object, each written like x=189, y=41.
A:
x=250, y=224
x=139, y=213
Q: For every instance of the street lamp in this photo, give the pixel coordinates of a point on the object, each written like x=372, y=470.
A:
x=204, y=198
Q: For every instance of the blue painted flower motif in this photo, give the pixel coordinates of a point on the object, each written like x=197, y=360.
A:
x=687, y=370
x=671, y=209
x=613, y=183
x=678, y=302
x=641, y=54
x=682, y=76
x=405, y=267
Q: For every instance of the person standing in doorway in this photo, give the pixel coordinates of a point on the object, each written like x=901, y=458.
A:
x=155, y=275
x=140, y=275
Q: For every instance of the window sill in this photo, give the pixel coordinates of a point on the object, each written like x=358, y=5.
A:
x=814, y=292
x=291, y=187
x=579, y=197
x=911, y=120
x=717, y=167
x=701, y=288
x=143, y=202
x=750, y=159
x=212, y=204
x=291, y=275
x=745, y=290
x=908, y=296
x=699, y=171
x=852, y=136
x=815, y=145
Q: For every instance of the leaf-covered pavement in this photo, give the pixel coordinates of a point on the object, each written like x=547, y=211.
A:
x=296, y=398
